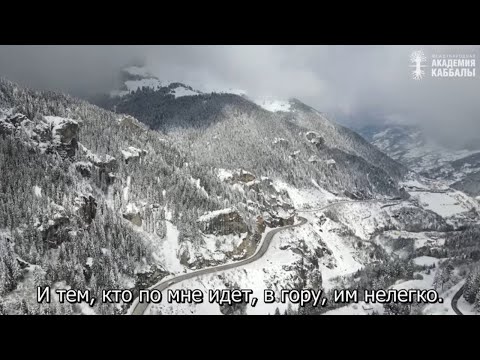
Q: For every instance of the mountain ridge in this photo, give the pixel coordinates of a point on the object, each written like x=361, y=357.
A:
x=209, y=119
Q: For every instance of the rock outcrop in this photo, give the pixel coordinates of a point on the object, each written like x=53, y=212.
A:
x=243, y=176
x=133, y=153
x=84, y=168
x=107, y=165
x=275, y=206
x=223, y=222
x=87, y=208
x=56, y=231
x=51, y=134
x=147, y=278
x=64, y=133
x=132, y=214
x=315, y=138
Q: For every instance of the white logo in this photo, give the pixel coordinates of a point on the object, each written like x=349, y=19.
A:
x=442, y=65
x=417, y=58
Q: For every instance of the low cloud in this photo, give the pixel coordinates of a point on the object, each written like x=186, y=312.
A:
x=358, y=85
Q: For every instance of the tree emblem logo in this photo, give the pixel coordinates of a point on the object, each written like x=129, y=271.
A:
x=417, y=60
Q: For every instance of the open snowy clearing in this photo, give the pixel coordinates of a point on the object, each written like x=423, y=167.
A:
x=445, y=204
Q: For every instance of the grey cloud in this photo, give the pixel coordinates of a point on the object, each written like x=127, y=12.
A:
x=357, y=84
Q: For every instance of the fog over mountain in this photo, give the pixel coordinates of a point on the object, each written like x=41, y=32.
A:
x=358, y=85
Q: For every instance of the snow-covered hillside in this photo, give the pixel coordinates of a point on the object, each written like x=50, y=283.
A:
x=139, y=77
x=333, y=244
x=273, y=105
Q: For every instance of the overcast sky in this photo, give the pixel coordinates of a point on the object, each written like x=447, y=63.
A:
x=356, y=84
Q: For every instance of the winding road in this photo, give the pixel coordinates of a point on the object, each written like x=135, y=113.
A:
x=140, y=308
x=455, y=301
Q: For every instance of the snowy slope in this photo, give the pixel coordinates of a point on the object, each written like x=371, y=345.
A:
x=276, y=270
x=327, y=241
x=273, y=105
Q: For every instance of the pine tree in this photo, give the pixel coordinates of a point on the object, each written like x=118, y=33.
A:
x=93, y=285
x=475, y=287
x=10, y=270
x=24, y=308
x=477, y=302
x=39, y=277
x=396, y=308
x=79, y=279
x=468, y=292
x=442, y=276
x=68, y=309
x=290, y=310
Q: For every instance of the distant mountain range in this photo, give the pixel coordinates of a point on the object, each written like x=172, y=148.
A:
x=409, y=145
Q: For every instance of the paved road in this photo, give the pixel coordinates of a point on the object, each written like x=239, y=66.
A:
x=140, y=308
x=389, y=203
x=455, y=300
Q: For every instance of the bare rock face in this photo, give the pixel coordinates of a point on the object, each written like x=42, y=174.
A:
x=223, y=222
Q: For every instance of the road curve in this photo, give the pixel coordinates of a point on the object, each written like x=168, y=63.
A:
x=140, y=308
x=455, y=300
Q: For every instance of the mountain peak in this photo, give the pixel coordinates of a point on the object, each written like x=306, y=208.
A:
x=136, y=77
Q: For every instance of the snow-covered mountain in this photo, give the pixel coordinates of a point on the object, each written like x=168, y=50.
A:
x=168, y=180
x=268, y=136
x=135, y=78
x=409, y=145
